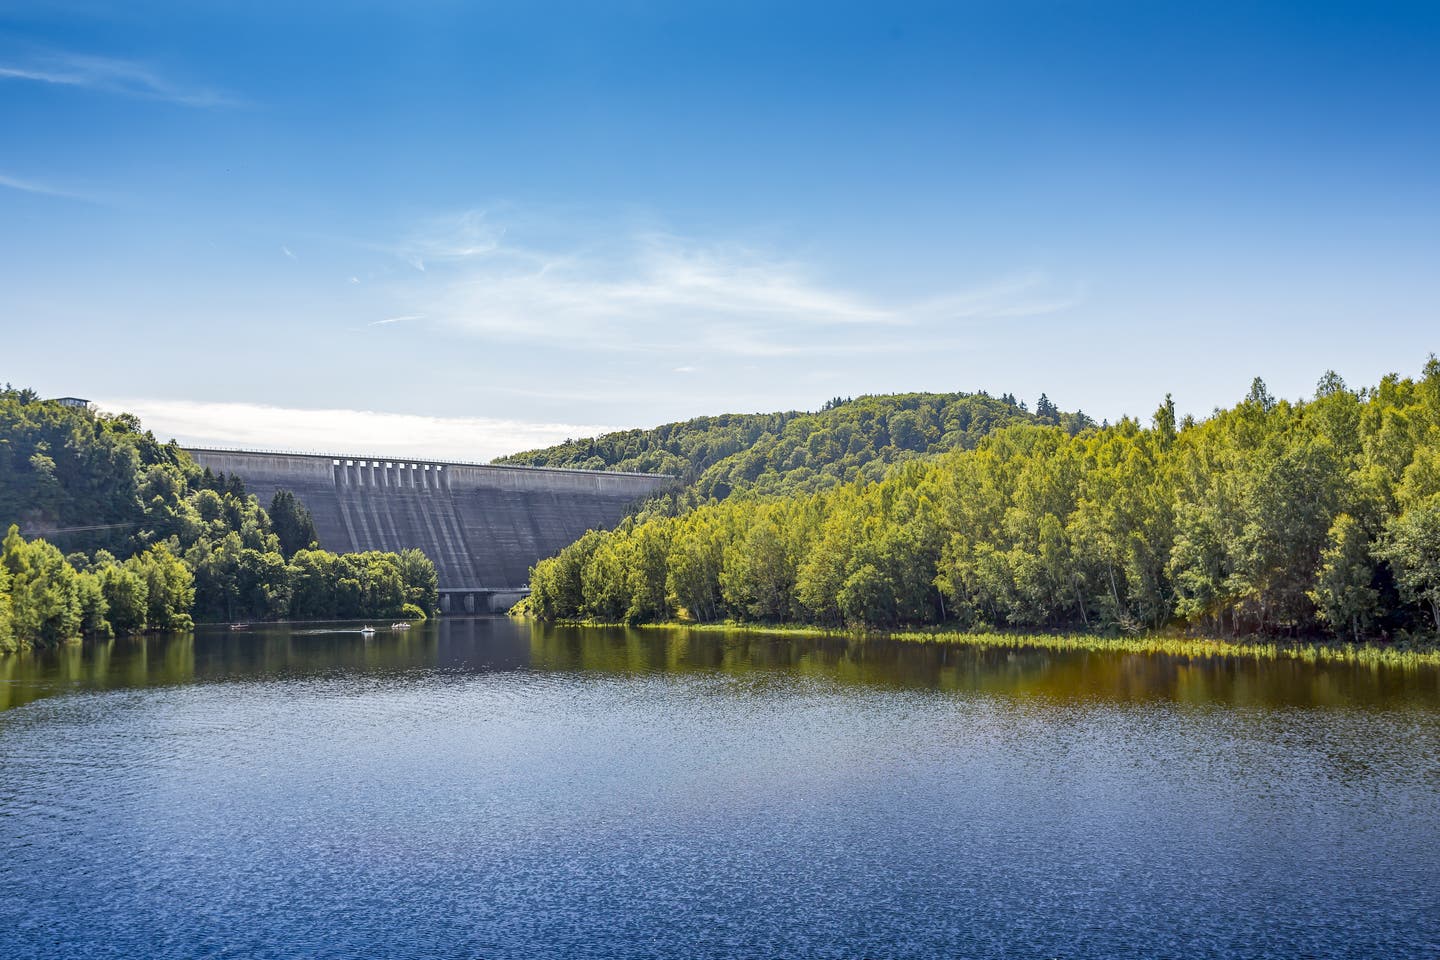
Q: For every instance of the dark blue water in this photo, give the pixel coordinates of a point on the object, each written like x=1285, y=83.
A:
x=482, y=791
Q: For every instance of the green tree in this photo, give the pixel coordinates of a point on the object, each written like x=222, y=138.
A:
x=1344, y=593
x=94, y=608
x=1412, y=546
x=1257, y=519
x=421, y=581
x=757, y=576
x=314, y=577
x=792, y=452
x=192, y=543
x=8, y=643
x=127, y=596
x=867, y=598
x=169, y=588
x=555, y=584
x=45, y=602
x=695, y=559
x=292, y=523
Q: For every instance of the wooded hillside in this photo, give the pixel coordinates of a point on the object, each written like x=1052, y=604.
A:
x=1272, y=517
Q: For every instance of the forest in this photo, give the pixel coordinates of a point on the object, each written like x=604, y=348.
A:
x=1313, y=518
x=779, y=453
x=123, y=534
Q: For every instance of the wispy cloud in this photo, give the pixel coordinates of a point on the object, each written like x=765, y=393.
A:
x=357, y=432
x=286, y=250
x=127, y=78
x=451, y=238
x=31, y=186
x=405, y=319
x=657, y=292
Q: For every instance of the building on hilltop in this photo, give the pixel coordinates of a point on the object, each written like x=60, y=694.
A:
x=70, y=401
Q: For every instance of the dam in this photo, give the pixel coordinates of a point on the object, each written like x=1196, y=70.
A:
x=483, y=526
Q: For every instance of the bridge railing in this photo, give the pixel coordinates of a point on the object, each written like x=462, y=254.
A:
x=318, y=454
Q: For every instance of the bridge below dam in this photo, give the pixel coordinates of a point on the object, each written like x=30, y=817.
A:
x=483, y=526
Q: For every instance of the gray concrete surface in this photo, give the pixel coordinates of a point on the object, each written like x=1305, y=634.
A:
x=483, y=526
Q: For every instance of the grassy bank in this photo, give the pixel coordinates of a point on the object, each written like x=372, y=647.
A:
x=1311, y=652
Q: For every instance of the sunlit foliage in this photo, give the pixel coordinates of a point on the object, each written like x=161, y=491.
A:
x=156, y=543
x=1278, y=518
x=776, y=453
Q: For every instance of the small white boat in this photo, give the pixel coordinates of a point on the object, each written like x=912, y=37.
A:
x=367, y=631
x=402, y=625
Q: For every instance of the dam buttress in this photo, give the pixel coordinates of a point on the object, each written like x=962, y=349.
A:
x=483, y=526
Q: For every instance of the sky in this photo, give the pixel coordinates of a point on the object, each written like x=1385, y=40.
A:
x=463, y=229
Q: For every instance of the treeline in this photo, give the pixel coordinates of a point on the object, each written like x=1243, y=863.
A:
x=779, y=453
x=1277, y=518
x=45, y=600
x=48, y=598
x=152, y=542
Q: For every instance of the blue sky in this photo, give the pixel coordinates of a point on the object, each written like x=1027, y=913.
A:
x=467, y=228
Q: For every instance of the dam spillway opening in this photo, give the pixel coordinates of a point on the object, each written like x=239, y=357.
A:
x=483, y=526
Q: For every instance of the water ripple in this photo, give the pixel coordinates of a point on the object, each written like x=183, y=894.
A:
x=326, y=807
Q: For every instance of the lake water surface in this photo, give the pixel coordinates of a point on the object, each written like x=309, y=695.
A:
x=485, y=788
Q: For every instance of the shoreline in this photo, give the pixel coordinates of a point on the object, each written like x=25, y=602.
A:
x=1150, y=644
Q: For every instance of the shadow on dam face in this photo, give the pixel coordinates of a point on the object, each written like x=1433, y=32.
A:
x=483, y=526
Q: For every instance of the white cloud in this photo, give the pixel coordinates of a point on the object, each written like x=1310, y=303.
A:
x=30, y=186
x=658, y=293
x=286, y=250
x=451, y=238
x=354, y=432
x=404, y=319
x=110, y=75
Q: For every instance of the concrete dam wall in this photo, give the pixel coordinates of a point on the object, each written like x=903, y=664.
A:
x=483, y=526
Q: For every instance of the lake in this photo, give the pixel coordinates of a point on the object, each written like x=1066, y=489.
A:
x=490, y=788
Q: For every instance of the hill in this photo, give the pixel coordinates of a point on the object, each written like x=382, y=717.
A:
x=127, y=534
x=1316, y=518
x=796, y=452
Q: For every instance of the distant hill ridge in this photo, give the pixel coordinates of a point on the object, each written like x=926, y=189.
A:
x=793, y=451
